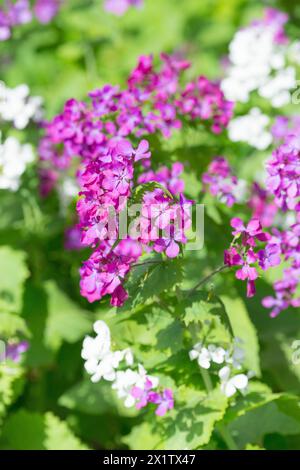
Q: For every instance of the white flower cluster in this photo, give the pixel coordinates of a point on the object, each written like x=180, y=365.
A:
x=18, y=107
x=103, y=363
x=251, y=128
x=13, y=160
x=258, y=63
x=231, y=360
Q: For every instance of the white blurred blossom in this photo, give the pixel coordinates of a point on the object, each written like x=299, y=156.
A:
x=251, y=128
x=14, y=158
x=18, y=107
x=258, y=63
x=231, y=383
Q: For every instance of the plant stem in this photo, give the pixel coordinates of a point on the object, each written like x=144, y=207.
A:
x=207, y=278
x=223, y=431
x=145, y=263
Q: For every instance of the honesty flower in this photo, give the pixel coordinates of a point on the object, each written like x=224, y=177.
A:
x=231, y=384
x=257, y=62
x=18, y=107
x=207, y=355
x=14, y=158
x=251, y=128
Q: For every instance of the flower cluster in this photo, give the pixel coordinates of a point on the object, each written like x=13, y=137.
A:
x=153, y=102
x=14, y=158
x=101, y=135
x=287, y=244
x=136, y=387
x=263, y=207
x=258, y=61
x=169, y=178
x=221, y=183
x=231, y=360
x=105, y=270
x=283, y=178
x=251, y=128
x=18, y=107
x=119, y=7
x=243, y=252
x=14, y=13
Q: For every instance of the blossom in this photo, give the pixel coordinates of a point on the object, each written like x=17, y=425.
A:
x=164, y=400
x=20, y=12
x=257, y=62
x=14, y=350
x=221, y=182
x=249, y=233
x=284, y=174
x=231, y=384
x=45, y=10
x=119, y=7
x=251, y=128
x=100, y=361
x=207, y=355
x=14, y=158
x=18, y=107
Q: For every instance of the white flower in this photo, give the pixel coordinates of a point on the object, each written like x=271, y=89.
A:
x=100, y=361
x=98, y=347
x=230, y=385
x=207, y=355
x=277, y=89
x=217, y=354
x=13, y=160
x=18, y=107
x=126, y=380
x=251, y=128
x=258, y=63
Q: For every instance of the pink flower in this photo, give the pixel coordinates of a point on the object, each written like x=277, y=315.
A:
x=165, y=401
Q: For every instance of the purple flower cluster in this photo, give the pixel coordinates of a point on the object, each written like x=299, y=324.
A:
x=263, y=207
x=146, y=395
x=153, y=102
x=18, y=12
x=106, y=269
x=119, y=7
x=283, y=178
x=287, y=244
x=220, y=181
x=101, y=135
x=169, y=178
x=243, y=252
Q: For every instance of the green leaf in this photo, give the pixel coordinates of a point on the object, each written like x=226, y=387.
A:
x=280, y=416
x=243, y=328
x=66, y=321
x=11, y=385
x=151, y=280
x=14, y=272
x=95, y=399
x=11, y=324
x=207, y=312
x=140, y=190
x=24, y=430
x=188, y=426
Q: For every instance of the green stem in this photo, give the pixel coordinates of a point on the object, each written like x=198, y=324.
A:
x=223, y=431
x=207, y=278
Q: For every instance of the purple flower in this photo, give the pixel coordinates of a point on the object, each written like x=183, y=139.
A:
x=220, y=181
x=14, y=351
x=270, y=256
x=165, y=401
